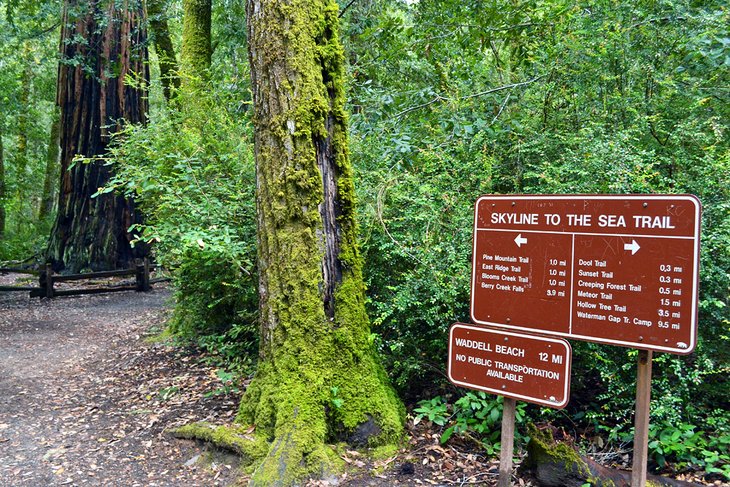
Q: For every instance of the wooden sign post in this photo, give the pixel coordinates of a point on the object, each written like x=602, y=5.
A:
x=507, y=441
x=515, y=365
x=641, y=419
x=612, y=269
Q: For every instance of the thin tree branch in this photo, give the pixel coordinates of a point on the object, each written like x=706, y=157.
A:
x=501, y=108
x=43, y=32
x=438, y=98
x=342, y=12
x=502, y=88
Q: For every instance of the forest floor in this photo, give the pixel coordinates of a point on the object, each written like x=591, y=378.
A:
x=87, y=398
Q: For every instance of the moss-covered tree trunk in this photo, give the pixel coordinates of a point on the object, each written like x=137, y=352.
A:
x=102, y=43
x=318, y=379
x=164, y=47
x=196, y=51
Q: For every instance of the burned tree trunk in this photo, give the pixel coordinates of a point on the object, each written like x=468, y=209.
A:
x=102, y=43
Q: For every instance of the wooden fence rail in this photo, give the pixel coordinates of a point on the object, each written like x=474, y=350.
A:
x=19, y=270
x=47, y=279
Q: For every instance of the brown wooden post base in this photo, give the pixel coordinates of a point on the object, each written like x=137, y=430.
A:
x=641, y=419
x=508, y=442
x=49, y=281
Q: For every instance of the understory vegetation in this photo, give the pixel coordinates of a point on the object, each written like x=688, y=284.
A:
x=448, y=100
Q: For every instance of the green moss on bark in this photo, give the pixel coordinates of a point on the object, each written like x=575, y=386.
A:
x=319, y=380
x=196, y=52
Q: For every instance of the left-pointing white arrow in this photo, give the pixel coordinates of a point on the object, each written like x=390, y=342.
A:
x=519, y=240
x=633, y=247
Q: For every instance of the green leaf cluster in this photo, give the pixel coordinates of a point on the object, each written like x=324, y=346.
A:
x=452, y=99
x=191, y=172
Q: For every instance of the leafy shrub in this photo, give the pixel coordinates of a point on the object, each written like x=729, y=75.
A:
x=475, y=415
x=192, y=174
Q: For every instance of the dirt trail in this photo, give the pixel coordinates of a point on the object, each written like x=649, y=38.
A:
x=84, y=400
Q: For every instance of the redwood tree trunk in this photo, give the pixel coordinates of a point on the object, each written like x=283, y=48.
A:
x=318, y=379
x=51, y=173
x=102, y=42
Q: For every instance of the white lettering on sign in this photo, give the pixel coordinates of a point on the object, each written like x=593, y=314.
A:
x=477, y=345
x=502, y=258
x=590, y=316
x=611, y=221
x=515, y=218
x=642, y=221
x=504, y=375
x=505, y=350
x=480, y=361
x=523, y=369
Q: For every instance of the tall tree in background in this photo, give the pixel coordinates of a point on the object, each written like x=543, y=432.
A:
x=102, y=44
x=21, y=147
x=51, y=173
x=2, y=185
x=196, y=49
x=163, y=46
x=318, y=378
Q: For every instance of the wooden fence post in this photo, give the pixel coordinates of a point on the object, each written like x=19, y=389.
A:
x=49, y=280
x=146, y=279
x=142, y=275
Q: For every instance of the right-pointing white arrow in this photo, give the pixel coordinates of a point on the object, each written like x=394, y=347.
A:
x=633, y=247
x=519, y=240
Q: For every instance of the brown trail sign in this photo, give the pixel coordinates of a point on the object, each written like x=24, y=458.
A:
x=614, y=269
x=517, y=365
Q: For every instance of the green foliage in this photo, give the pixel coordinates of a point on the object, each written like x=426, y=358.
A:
x=475, y=414
x=228, y=384
x=435, y=410
x=28, y=66
x=166, y=393
x=192, y=174
x=685, y=446
x=453, y=99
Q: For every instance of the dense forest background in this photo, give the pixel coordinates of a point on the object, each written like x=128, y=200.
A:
x=448, y=100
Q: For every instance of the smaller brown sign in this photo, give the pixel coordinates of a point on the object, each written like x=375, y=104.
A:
x=525, y=367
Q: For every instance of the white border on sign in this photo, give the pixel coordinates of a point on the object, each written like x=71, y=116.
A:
x=651, y=197
x=502, y=392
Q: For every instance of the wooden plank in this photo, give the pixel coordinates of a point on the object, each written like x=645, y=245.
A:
x=641, y=419
x=18, y=288
x=508, y=440
x=96, y=290
x=16, y=270
x=94, y=275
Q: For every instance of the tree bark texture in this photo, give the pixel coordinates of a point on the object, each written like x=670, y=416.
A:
x=318, y=379
x=196, y=51
x=102, y=43
x=51, y=173
x=21, y=147
x=2, y=185
x=164, y=47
